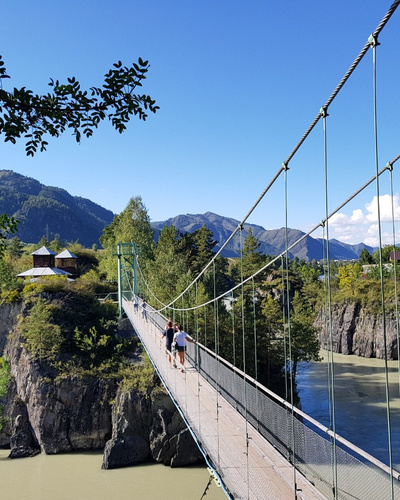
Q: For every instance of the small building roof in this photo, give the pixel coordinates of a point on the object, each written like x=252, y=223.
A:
x=43, y=251
x=66, y=254
x=44, y=271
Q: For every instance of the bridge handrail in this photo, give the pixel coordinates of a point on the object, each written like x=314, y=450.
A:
x=300, y=413
x=107, y=296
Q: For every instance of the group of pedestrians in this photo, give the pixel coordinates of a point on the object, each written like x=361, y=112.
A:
x=175, y=342
x=143, y=307
x=175, y=336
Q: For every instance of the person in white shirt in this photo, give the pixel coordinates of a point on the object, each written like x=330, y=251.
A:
x=180, y=338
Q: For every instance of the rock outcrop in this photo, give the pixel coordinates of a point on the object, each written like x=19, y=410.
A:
x=67, y=414
x=356, y=330
x=147, y=426
x=8, y=318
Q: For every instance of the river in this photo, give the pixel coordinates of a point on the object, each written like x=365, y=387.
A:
x=360, y=401
x=79, y=476
x=360, y=417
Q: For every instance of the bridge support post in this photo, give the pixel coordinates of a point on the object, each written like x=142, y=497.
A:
x=119, y=280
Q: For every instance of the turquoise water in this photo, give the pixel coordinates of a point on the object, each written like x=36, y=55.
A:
x=360, y=401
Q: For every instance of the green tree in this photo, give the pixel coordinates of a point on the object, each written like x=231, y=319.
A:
x=168, y=267
x=271, y=347
x=8, y=280
x=133, y=224
x=43, y=242
x=251, y=258
x=15, y=248
x=365, y=257
x=198, y=247
x=56, y=244
x=309, y=274
x=305, y=344
x=34, y=117
x=348, y=276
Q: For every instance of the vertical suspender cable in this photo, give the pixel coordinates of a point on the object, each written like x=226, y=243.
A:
x=233, y=331
x=373, y=41
x=396, y=301
x=290, y=341
x=235, y=384
x=329, y=313
x=244, y=360
x=284, y=330
x=197, y=355
x=216, y=345
x=327, y=322
x=255, y=349
x=205, y=326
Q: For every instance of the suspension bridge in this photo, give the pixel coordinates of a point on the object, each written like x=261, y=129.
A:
x=257, y=444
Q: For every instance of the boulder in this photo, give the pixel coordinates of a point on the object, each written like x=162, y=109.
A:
x=147, y=426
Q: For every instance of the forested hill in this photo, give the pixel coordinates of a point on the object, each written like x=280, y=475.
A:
x=50, y=211
x=272, y=241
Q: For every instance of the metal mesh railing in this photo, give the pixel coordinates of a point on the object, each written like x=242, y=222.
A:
x=297, y=438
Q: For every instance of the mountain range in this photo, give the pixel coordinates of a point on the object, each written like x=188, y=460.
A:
x=51, y=211
x=272, y=241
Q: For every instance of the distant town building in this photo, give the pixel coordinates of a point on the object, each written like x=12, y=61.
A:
x=394, y=256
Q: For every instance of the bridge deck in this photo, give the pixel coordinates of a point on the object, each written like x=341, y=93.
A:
x=250, y=469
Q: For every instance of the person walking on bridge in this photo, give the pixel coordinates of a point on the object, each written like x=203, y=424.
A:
x=144, y=310
x=169, y=333
x=135, y=302
x=180, y=338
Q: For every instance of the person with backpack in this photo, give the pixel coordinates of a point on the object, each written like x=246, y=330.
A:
x=180, y=338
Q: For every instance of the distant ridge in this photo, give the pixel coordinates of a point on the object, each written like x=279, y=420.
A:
x=50, y=211
x=272, y=241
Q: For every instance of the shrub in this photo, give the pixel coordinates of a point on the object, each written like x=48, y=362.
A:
x=139, y=377
x=41, y=335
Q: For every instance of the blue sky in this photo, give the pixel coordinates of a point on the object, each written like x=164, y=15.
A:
x=238, y=83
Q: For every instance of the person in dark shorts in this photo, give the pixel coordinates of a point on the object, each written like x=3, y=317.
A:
x=169, y=333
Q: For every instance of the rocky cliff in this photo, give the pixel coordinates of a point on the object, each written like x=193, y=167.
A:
x=50, y=414
x=358, y=331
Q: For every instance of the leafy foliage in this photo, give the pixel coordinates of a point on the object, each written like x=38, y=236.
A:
x=33, y=116
x=8, y=225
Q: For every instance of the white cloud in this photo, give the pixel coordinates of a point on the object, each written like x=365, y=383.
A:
x=362, y=226
x=385, y=208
